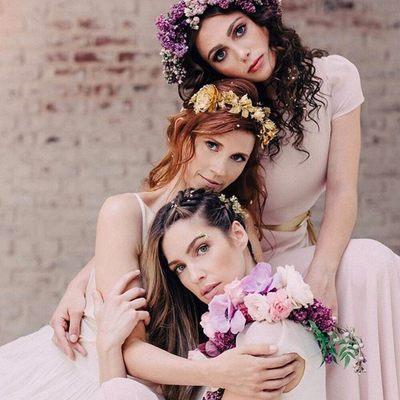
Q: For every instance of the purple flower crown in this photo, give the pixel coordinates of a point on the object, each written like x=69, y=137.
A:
x=174, y=27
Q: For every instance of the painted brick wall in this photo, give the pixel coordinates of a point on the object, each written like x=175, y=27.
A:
x=82, y=113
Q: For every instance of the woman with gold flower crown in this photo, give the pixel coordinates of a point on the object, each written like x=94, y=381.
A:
x=214, y=143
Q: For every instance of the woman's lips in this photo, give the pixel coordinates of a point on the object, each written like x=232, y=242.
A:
x=256, y=64
x=210, y=183
x=210, y=291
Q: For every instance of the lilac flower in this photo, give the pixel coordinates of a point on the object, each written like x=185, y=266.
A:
x=235, y=292
x=211, y=349
x=259, y=279
x=329, y=359
x=322, y=316
x=300, y=315
x=238, y=322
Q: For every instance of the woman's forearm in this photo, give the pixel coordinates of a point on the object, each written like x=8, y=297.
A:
x=81, y=280
x=150, y=363
x=111, y=363
x=336, y=228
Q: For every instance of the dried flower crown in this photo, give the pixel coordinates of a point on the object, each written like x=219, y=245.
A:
x=210, y=99
x=234, y=203
x=184, y=16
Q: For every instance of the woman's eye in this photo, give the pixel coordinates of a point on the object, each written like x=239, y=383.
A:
x=179, y=269
x=238, y=158
x=211, y=145
x=240, y=30
x=202, y=249
x=219, y=55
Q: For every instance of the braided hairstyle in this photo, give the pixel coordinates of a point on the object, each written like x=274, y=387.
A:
x=175, y=311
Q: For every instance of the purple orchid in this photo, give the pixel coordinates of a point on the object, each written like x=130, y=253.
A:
x=259, y=280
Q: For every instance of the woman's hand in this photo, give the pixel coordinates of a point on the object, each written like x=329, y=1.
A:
x=66, y=321
x=261, y=377
x=323, y=286
x=118, y=315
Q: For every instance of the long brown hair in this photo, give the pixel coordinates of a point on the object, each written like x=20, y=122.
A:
x=186, y=126
x=294, y=80
x=175, y=311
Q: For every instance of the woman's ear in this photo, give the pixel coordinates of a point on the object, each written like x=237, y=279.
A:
x=239, y=235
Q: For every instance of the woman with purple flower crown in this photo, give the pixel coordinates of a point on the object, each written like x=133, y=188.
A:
x=315, y=100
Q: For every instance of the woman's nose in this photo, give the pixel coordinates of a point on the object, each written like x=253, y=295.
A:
x=219, y=168
x=244, y=54
x=196, y=274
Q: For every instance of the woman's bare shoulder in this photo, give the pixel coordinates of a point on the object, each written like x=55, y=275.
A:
x=120, y=206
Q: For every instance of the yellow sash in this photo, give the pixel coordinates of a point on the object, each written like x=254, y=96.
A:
x=295, y=224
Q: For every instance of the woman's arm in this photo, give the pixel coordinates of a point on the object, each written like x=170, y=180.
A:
x=116, y=318
x=117, y=248
x=66, y=319
x=340, y=206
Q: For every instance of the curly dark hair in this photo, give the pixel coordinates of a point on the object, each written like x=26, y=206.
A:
x=296, y=87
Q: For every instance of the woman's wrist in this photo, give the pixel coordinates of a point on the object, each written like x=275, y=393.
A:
x=107, y=346
x=111, y=364
x=324, y=267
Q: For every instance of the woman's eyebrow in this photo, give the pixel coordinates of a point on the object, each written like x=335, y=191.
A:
x=228, y=33
x=191, y=244
x=216, y=141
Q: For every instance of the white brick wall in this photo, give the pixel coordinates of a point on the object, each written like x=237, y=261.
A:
x=83, y=109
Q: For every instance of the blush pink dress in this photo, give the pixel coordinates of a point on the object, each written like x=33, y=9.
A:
x=33, y=368
x=368, y=278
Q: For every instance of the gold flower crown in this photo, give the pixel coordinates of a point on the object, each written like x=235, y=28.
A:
x=234, y=203
x=210, y=99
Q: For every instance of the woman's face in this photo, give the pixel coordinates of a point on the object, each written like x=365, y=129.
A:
x=219, y=159
x=205, y=258
x=236, y=47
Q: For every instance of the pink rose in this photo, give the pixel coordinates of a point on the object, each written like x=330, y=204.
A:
x=257, y=306
x=280, y=305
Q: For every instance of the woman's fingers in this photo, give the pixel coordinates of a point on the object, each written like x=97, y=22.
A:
x=258, y=349
x=75, y=318
x=60, y=340
x=143, y=316
x=281, y=372
x=133, y=294
x=276, y=384
x=138, y=303
x=122, y=282
x=277, y=361
x=79, y=348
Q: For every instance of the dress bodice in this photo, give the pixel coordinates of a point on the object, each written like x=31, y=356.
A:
x=294, y=179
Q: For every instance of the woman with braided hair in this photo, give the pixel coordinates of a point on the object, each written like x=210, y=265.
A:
x=315, y=100
x=197, y=245
x=214, y=143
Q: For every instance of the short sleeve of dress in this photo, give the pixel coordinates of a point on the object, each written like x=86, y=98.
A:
x=345, y=84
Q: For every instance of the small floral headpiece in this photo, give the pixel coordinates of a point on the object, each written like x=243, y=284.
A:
x=210, y=99
x=234, y=203
x=184, y=16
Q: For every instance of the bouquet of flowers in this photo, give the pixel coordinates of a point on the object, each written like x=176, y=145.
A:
x=263, y=296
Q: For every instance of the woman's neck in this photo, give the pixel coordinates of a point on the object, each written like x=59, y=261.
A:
x=167, y=193
x=249, y=262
